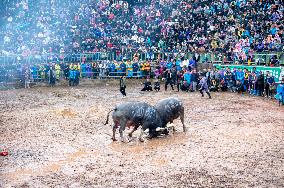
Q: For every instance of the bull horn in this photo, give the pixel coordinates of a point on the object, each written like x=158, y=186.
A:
x=160, y=129
x=170, y=125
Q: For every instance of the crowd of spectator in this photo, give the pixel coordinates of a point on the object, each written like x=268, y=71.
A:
x=180, y=75
x=234, y=27
x=112, y=69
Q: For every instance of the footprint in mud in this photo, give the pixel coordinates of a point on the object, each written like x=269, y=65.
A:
x=66, y=112
x=52, y=167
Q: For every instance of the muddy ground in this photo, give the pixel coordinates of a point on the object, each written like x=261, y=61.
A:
x=56, y=138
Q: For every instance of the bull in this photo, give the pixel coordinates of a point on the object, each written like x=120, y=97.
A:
x=135, y=114
x=170, y=109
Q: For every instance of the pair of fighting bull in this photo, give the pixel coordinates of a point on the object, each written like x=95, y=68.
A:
x=154, y=118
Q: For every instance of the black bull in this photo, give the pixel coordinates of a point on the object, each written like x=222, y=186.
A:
x=170, y=109
x=135, y=114
x=149, y=117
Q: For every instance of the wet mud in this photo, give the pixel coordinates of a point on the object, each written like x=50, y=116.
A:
x=56, y=138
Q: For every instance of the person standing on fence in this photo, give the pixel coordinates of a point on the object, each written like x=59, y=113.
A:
x=122, y=85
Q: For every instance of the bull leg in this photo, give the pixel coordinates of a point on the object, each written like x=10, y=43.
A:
x=182, y=119
x=113, y=132
x=121, y=134
x=131, y=132
x=141, y=134
x=173, y=127
x=132, y=123
x=122, y=123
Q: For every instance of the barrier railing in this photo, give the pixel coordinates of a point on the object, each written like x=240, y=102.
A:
x=259, y=58
x=11, y=67
x=43, y=76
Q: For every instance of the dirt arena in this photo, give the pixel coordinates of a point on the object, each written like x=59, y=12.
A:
x=56, y=138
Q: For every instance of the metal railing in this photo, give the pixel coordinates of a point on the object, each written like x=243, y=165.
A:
x=11, y=67
x=259, y=58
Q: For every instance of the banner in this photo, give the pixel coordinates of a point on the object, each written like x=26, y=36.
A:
x=277, y=72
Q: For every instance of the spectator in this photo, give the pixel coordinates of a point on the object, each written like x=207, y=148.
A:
x=157, y=85
x=204, y=86
x=122, y=86
x=269, y=85
x=194, y=78
x=169, y=79
x=147, y=85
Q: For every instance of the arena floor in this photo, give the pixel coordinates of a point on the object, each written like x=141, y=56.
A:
x=56, y=138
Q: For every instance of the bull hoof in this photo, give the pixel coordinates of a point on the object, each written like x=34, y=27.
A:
x=113, y=139
x=141, y=140
x=124, y=140
x=154, y=135
x=165, y=132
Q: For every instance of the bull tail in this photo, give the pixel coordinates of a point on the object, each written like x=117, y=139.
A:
x=108, y=116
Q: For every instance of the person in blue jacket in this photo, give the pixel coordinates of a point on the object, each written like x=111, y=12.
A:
x=240, y=75
x=72, y=77
x=280, y=93
x=111, y=68
x=123, y=68
x=187, y=77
